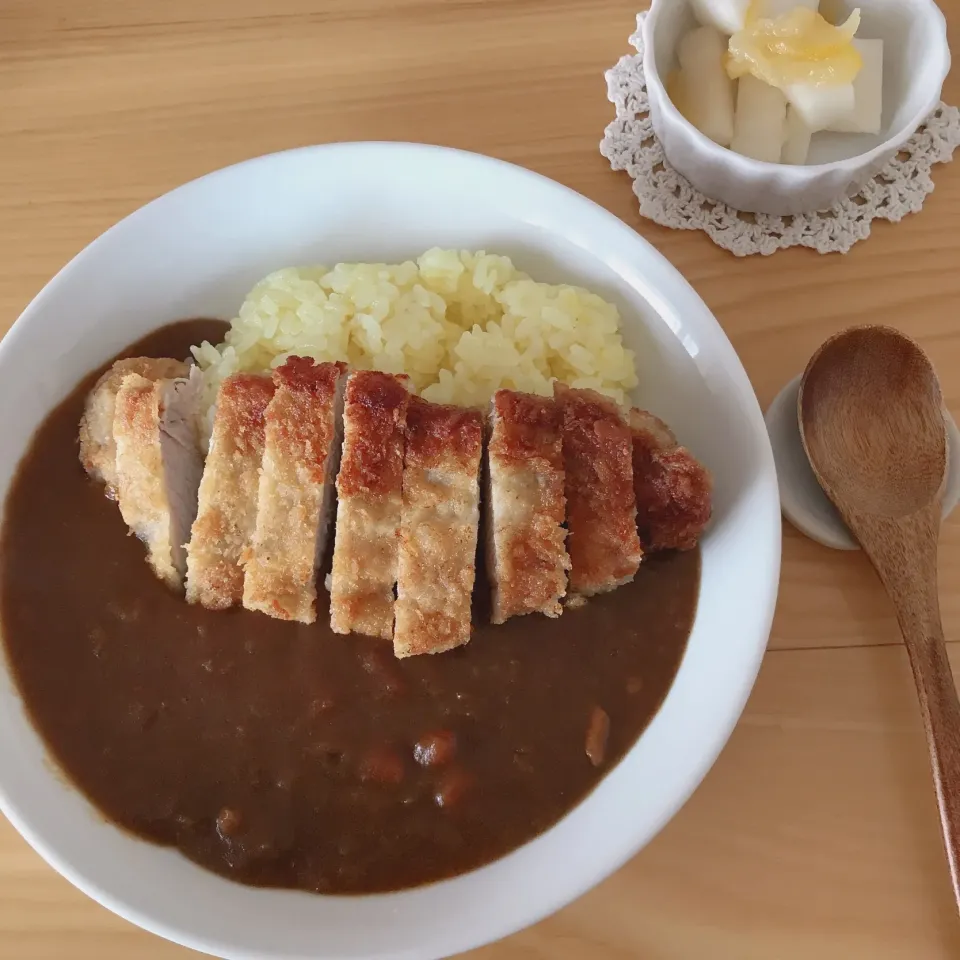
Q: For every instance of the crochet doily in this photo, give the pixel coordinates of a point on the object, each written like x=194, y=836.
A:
x=667, y=198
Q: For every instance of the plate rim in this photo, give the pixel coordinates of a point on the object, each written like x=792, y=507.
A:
x=764, y=615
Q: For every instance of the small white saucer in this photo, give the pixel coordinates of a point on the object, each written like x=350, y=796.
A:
x=803, y=503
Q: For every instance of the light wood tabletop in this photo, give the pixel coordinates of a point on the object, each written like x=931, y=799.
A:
x=815, y=835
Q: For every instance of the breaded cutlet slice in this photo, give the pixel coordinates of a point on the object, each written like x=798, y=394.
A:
x=673, y=489
x=158, y=466
x=295, y=495
x=98, y=450
x=438, y=529
x=526, y=556
x=369, y=501
x=227, y=509
x=604, y=548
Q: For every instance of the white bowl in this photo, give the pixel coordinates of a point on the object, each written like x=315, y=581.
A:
x=196, y=252
x=916, y=63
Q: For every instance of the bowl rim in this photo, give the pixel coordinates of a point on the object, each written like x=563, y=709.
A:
x=748, y=166
x=683, y=299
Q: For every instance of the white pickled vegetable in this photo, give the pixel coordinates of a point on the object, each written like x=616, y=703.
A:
x=812, y=61
x=867, y=92
x=760, y=120
x=796, y=146
x=777, y=8
x=821, y=106
x=706, y=92
x=727, y=16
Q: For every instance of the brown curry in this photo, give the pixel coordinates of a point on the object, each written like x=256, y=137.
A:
x=286, y=755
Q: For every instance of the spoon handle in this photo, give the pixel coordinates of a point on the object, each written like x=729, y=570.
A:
x=905, y=557
x=941, y=719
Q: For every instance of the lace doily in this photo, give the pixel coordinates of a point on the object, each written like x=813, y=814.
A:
x=667, y=198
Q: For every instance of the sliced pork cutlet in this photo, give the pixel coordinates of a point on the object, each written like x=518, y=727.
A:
x=159, y=465
x=526, y=555
x=673, y=489
x=369, y=501
x=227, y=509
x=98, y=449
x=295, y=496
x=438, y=530
x=604, y=548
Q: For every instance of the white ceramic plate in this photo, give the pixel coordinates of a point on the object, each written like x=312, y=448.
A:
x=196, y=252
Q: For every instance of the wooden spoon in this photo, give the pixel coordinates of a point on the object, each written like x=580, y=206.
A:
x=871, y=419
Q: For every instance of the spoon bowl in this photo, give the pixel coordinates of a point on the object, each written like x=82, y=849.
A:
x=802, y=500
x=871, y=417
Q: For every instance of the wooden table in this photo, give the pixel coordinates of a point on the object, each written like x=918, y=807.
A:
x=815, y=836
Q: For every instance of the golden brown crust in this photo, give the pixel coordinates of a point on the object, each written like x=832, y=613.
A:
x=241, y=406
x=528, y=429
x=526, y=506
x=601, y=506
x=431, y=631
x=228, y=493
x=300, y=421
x=370, y=486
x=293, y=496
x=673, y=489
x=376, y=406
x=438, y=536
x=98, y=450
x=137, y=411
x=440, y=435
x=141, y=492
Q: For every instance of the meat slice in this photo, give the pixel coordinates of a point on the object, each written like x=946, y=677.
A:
x=227, y=510
x=605, y=550
x=673, y=489
x=98, y=450
x=158, y=467
x=295, y=496
x=438, y=530
x=370, y=496
x=527, y=560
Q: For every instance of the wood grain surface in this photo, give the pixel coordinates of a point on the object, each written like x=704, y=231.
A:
x=816, y=833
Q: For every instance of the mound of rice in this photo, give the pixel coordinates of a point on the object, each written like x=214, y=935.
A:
x=461, y=324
